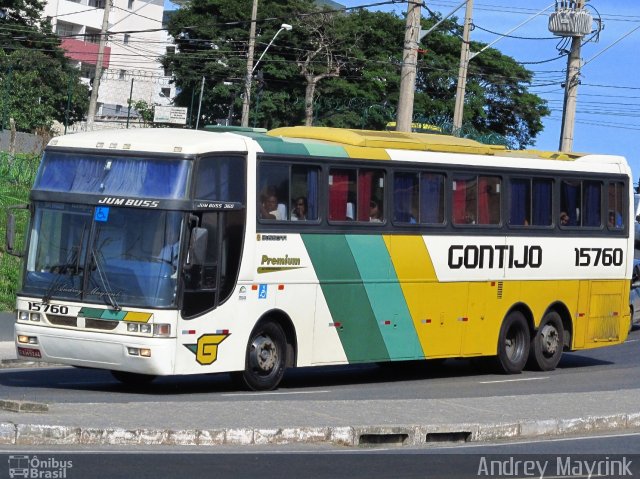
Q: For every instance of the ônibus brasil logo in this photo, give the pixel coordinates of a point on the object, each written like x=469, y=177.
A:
x=40, y=468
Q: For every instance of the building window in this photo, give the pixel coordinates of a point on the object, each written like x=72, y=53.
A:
x=122, y=74
x=165, y=92
x=64, y=29
x=92, y=36
x=126, y=38
x=130, y=5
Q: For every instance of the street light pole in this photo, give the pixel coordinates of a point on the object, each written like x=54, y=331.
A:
x=248, y=81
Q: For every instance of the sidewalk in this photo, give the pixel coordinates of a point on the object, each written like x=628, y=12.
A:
x=299, y=420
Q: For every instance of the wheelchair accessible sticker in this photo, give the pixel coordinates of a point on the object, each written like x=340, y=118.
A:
x=101, y=214
x=262, y=291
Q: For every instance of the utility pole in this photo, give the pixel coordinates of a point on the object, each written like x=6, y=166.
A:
x=458, y=110
x=93, y=101
x=247, y=81
x=404, y=115
x=571, y=90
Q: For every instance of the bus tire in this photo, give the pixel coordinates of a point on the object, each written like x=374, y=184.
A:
x=266, y=357
x=546, y=346
x=132, y=379
x=513, y=343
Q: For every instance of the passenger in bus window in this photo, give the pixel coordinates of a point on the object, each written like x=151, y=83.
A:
x=299, y=212
x=564, y=218
x=375, y=212
x=615, y=220
x=269, y=206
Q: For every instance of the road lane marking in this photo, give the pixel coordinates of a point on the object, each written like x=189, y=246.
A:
x=513, y=380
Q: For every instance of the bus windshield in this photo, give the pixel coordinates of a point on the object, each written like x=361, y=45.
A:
x=116, y=256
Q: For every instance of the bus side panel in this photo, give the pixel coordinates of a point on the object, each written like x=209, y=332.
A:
x=351, y=312
x=385, y=296
x=437, y=309
x=605, y=312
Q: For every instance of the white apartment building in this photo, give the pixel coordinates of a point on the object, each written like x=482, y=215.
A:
x=136, y=41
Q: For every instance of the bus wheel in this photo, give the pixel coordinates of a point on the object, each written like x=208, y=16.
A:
x=547, y=344
x=513, y=343
x=266, y=357
x=132, y=379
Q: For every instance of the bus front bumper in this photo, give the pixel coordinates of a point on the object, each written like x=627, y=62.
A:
x=144, y=355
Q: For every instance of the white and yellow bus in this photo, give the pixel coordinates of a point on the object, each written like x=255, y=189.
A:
x=173, y=252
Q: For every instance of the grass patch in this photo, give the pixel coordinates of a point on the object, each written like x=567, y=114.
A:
x=16, y=177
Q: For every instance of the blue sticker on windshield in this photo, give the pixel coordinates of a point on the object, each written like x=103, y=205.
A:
x=101, y=214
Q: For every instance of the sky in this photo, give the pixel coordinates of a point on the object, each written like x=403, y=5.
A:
x=608, y=102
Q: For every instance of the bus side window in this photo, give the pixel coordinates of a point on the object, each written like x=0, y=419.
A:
x=476, y=200
x=530, y=202
x=581, y=200
x=616, y=205
x=342, y=194
x=273, y=191
x=304, y=193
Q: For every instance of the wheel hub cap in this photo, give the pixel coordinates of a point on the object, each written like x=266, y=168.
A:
x=549, y=339
x=266, y=353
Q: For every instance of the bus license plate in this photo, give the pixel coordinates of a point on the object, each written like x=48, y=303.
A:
x=31, y=353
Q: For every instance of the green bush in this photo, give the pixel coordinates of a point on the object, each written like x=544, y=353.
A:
x=16, y=177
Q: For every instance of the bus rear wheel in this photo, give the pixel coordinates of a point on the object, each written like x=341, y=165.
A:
x=513, y=343
x=546, y=345
x=266, y=357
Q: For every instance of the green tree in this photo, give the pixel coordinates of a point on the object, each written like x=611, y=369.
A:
x=217, y=50
x=343, y=69
x=145, y=110
x=36, y=79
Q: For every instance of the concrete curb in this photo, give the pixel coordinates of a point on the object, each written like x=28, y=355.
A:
x=351, y=436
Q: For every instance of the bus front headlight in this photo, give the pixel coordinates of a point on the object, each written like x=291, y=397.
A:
x=162, y=330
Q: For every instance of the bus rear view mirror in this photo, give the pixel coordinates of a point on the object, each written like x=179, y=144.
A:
x=11, y=232
x=198, y=246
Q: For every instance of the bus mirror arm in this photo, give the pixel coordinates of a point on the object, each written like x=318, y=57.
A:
x=11, y=232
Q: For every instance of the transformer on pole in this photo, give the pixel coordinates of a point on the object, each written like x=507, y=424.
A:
x=570, y=19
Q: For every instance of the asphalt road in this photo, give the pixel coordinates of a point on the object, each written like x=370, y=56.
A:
x=607, y=369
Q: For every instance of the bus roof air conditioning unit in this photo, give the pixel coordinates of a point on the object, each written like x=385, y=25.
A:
x=568, y=21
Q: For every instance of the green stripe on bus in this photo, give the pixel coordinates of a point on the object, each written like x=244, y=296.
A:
x=278, y=146
x=113, y=315
x=90, y=312
x=346, y=297
x=385, y=296
x=319, y=149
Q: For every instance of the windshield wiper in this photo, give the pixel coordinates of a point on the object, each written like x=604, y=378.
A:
x=106, y=287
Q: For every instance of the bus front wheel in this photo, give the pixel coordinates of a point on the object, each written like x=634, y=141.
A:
x=266, y=357
x=547, y=344
x=513, y=343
